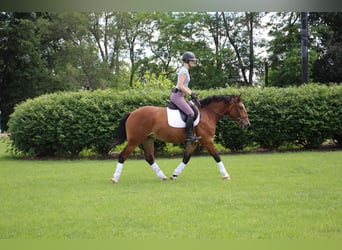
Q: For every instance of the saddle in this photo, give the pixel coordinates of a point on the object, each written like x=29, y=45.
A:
x=173, y=106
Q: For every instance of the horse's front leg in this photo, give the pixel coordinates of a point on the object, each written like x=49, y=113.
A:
x=211, y=149
x=189, y=149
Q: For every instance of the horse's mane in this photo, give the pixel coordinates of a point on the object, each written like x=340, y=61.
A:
x=216, y=98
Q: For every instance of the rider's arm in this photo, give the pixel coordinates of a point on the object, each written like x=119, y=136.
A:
x=181, y=86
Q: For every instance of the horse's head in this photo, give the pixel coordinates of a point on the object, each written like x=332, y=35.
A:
x=238, y=112
x=227, y=105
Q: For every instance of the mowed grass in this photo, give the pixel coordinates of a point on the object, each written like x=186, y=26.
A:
x=270, y=196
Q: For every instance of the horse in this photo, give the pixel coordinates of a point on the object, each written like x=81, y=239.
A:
x=147, y=123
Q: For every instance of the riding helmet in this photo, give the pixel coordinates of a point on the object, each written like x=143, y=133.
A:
x=188, y=56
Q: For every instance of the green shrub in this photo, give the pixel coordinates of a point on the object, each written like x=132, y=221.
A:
x=66, y=123
x=270, y=116
x=306, y=115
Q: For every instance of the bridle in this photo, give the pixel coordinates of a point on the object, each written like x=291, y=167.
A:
x=239, y=119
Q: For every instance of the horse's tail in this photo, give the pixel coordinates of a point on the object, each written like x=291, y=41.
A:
x=121, y=135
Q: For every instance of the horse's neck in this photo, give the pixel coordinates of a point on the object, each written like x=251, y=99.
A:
x=215, y=111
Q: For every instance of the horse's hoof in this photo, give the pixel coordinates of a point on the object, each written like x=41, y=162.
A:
x=164, y=178
x=173, y=178
x=113, y=181
x=226, y=178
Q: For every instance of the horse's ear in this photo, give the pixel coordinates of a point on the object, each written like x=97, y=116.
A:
x=239, y=97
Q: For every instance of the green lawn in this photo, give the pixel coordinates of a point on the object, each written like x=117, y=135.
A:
x=270, y=196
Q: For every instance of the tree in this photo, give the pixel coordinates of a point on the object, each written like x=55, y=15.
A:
x=170, y=35
x=165, y=32
x=285, y=50
x=76, y=59
x=24, y=71
x=107, y=30
x=239, y=28
x=46, y=52
x=134, y=26
x=219, y=63
x=327, y=28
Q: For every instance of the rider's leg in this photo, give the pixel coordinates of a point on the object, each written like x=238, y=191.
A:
x=178, y=99
x=189, y=130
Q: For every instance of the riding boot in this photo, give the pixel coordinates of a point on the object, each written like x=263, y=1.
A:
x=189, y=130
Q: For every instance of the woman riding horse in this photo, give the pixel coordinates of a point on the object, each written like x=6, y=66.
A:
x=181, y=89
x=153, y=125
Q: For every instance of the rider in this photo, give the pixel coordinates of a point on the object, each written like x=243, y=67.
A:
x=181, y=89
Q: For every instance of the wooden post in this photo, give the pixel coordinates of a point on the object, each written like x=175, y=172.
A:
x=304, y=47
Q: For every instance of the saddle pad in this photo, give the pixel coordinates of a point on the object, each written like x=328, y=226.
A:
x=174, y=119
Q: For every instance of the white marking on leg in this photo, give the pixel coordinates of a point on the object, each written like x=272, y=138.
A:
x=179, y=169
x=117, y=173
x=223, y=170
x=158, y=171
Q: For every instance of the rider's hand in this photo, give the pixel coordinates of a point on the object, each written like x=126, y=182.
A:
x=195, y=99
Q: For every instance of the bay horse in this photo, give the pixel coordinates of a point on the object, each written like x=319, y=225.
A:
x=145, y=124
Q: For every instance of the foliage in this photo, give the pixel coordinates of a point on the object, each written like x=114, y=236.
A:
x=325, y=38
x=23, y=70
x=42, y=52
x=240, y=31
x=285, y=51
x=66, y=123
x=152, y=81
x=303, y=115
x=328, y=30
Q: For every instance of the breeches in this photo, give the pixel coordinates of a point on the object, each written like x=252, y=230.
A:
x=178, y=99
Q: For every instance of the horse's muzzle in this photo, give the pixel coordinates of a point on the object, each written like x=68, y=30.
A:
x=244, y=123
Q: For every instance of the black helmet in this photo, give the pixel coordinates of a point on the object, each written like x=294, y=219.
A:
x=188, y=56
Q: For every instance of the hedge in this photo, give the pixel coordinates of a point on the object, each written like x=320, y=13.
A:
x=305, y=116
x=66, y=123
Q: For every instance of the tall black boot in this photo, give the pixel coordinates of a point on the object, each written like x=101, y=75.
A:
x=189, y=130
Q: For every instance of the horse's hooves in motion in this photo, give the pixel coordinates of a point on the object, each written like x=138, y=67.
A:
x=227, y=177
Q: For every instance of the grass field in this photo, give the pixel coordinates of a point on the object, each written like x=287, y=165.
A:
x=270, y=196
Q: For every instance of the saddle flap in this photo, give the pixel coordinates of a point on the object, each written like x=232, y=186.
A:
x=173, y=106
x=175, y=119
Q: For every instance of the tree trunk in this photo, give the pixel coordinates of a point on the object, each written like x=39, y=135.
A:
x=236, y=49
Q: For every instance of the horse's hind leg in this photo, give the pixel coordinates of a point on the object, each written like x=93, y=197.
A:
x=149, y=157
